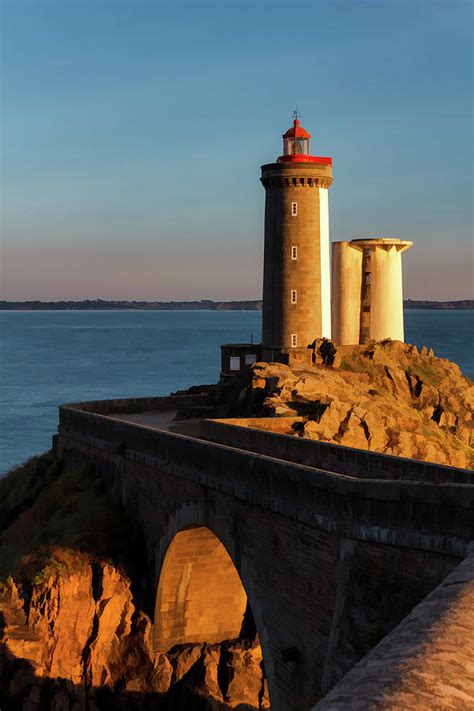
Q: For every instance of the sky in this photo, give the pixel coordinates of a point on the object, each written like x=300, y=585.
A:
x=133, y=135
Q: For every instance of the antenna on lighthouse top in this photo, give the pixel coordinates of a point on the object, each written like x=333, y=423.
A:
x=296, y=113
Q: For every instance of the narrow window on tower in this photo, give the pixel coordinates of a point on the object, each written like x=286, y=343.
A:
x=294, y=253
x=293, y=296
x=366, y=317
x=294, y=208
x=294, y=340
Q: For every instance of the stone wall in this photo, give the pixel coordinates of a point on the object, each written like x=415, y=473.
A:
x=200, y=596
x=140, y=404
x=420, y=514
x=378, y=586
x=425, y=663
x=298, y=536
x=264, y=435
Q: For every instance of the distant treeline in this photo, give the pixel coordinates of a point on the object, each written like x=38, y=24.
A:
x=204, y=304
x=100, y=304
x=442, y=305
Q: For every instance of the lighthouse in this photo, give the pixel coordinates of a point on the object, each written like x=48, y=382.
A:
x=296, y=281
x=367, y=301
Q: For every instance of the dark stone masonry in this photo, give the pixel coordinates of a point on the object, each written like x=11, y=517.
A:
x=300, y=532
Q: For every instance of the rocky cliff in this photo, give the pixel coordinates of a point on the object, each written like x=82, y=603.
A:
x=75, y=622
x=386, y=397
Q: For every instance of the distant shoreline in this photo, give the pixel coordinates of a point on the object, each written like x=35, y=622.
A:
x=203, y=305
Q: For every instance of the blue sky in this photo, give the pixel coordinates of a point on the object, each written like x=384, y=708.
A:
x=133, y=133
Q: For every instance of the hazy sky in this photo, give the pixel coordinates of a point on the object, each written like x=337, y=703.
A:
x=133, y=133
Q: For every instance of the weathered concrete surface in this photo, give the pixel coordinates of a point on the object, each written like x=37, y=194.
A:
x=425, y=663
x=159, y=419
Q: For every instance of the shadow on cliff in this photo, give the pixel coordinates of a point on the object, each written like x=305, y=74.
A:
x=21, y=687
x=45, y=507
x=52, y=521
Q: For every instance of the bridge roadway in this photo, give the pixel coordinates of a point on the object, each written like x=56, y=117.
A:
x=333, y=547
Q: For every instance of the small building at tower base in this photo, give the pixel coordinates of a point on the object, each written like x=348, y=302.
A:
x=236, y=358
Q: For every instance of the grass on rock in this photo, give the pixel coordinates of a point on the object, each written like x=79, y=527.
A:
x=52, y=516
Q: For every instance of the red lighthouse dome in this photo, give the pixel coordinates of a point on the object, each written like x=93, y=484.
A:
x=296, y=146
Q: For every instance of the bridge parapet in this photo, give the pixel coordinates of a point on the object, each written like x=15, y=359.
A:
x=140, y=404
x=431, y=514
x=425, y=662
x=259, y=435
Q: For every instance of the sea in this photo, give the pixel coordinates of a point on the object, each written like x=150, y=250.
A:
x=52, y=357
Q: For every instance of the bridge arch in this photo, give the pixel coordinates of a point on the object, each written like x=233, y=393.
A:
x=187, y=556
x=200, y=595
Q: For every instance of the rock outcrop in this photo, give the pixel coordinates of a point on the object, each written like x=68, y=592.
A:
x=385, y=397
x=77, y=636
x=75, y=629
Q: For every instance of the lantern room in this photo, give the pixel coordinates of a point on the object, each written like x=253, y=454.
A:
x=296, y=140
x=296, y=146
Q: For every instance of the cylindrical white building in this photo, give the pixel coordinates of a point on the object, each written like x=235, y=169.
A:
x=367, y=291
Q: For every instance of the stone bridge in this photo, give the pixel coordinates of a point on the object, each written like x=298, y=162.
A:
x=330, y=547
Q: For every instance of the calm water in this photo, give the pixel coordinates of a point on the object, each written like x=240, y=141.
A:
x=52, y=357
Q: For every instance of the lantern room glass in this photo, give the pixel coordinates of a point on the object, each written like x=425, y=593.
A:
x=298, y=146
